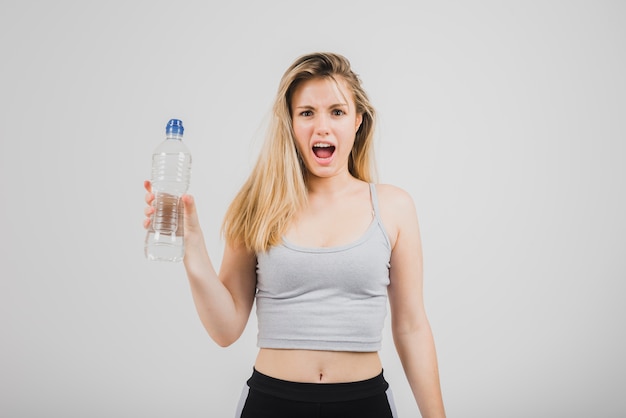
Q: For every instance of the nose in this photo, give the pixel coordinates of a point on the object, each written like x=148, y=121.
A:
x=321, y=125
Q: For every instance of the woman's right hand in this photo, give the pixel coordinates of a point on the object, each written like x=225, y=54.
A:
x=191, y=223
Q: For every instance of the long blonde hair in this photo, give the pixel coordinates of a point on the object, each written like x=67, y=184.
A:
x=276, y=190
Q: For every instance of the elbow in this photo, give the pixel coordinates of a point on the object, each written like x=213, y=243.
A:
x=409, y=330
x=224, y=342
x=224, y=339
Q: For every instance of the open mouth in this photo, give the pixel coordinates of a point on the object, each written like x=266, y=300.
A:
x=322, y=150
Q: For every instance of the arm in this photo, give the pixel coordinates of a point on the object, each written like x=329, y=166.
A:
x=223, y=300
x=410, y=327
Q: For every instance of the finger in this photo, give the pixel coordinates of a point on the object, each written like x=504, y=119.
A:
x=149, y=211
x=189, y=202
x=189, y=205
x=149, y=197
x=191, y=215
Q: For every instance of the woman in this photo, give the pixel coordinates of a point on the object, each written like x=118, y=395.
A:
x=321, y=249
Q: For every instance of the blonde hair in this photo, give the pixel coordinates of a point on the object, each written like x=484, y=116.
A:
x=276, y=190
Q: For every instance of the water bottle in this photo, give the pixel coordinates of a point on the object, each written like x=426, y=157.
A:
x=171, y=171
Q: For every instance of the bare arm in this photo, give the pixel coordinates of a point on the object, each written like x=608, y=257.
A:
x=410, y=327
x=223, y=300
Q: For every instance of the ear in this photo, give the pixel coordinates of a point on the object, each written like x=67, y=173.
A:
x=359, y=120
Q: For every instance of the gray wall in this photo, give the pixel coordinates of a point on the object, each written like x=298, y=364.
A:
x=504, y=120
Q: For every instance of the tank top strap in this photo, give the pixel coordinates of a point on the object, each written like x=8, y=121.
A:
x=374, y=198
x=376, y=213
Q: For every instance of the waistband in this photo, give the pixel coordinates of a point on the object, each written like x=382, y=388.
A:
x=317, y=392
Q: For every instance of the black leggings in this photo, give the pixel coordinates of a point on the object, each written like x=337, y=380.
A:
x=267, y=397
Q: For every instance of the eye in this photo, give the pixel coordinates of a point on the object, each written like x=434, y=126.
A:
x=306, y=113
x=338, y=112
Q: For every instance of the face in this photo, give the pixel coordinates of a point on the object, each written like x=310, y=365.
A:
x=325, y=123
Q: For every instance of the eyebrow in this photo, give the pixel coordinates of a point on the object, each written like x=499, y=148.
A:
x=331, y=106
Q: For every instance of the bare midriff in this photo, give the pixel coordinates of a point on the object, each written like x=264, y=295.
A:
x=310, y=366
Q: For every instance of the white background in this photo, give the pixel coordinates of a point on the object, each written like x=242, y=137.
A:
x=506, y=121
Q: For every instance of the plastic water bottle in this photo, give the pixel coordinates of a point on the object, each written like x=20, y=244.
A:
x=171, y=172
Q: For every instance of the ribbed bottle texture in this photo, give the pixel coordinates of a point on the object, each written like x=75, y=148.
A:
x=171, y=172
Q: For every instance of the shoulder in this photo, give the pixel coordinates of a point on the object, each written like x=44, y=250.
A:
x=394, y=198
x=397, y=209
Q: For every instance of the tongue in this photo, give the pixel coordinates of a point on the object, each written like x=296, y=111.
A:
x=323, y=152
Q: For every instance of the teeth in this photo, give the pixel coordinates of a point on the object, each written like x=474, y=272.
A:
x=322, y=145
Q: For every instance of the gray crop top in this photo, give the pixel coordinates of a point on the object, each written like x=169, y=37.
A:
x=331, y=298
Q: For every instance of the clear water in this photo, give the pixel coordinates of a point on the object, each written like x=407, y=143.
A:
x=162, y=247
x=170, y=180
x=164, y=240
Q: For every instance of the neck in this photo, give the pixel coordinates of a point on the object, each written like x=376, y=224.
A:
x=330, y=185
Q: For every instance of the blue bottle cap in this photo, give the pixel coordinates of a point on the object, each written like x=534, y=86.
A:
x=174, y=126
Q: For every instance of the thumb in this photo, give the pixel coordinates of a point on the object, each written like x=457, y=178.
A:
x=190, y=213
